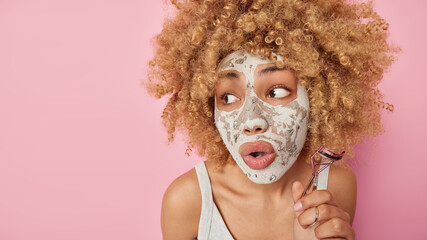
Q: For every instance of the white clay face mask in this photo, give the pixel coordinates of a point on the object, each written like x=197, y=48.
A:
x=279, y=132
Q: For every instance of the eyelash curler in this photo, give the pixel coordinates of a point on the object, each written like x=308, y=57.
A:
x=319, y=178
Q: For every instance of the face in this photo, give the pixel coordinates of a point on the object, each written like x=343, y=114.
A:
x=261, y=113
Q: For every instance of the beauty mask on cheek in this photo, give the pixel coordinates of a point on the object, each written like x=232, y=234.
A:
x=280, y=131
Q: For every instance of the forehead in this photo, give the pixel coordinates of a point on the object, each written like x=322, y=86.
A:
x=241, y=61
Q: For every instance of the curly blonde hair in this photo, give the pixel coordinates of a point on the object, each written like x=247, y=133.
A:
x=338, y=51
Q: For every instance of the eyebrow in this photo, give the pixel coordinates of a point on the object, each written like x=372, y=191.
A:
x=269, y=70
x=230, y=75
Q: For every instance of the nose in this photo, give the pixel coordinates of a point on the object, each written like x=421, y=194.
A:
x=255, y=126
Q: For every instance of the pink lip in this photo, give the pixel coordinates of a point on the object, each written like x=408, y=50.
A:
x=260, y=162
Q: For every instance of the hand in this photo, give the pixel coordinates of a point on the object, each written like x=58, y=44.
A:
x=332, y=222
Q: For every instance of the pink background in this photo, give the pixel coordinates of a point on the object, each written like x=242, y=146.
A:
x=83, y=154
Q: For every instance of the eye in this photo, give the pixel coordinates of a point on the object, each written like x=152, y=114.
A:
x=278, y=92
x=228, y=98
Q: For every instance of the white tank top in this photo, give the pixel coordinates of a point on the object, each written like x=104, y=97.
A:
x=211, y=224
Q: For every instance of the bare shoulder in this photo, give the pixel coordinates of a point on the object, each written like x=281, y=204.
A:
x=343, y=186
x=181, y=208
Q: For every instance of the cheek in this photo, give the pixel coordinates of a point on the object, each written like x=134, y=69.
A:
x=282, y=120
x=227, y=125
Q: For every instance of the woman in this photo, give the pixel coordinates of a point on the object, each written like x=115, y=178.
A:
x=258, y=87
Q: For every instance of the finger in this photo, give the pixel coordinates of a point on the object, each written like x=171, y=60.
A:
x=314, y=199
x=325, y=211
x=335, y=228
x=297, y=190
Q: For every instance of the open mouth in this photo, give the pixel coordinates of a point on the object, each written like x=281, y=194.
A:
x=257, y=155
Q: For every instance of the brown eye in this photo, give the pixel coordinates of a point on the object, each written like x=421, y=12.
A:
x=278, y=92
x=229, y=98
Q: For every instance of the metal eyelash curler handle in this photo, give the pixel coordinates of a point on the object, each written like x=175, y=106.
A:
x=328, y=158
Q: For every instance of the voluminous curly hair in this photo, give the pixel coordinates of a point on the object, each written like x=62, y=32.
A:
x=338, y=51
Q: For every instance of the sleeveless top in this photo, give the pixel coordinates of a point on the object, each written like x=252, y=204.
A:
x=211, y=224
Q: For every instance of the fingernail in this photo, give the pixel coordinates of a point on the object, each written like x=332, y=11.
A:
x=297, y=206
